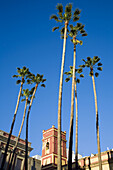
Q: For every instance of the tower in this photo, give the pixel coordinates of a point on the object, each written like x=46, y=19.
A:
x=49, y=147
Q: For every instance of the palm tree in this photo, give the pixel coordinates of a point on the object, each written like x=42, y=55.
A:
x=36, y=80
x=76, y=80
x=75, y=31
x=22, y=73
x=63, y=18
x=27, y=95
x=93, y=64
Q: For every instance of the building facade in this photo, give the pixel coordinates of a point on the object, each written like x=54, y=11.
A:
x=19, y=159
x=48, y=160
x=49, y=147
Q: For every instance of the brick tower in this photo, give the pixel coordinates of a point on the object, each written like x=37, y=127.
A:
x=49, y=148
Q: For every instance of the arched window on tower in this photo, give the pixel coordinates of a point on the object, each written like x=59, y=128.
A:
x=47, y=148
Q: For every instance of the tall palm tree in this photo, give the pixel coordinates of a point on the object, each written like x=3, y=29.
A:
x=93, y=64
x=27, y=95
x=35, y=80
x=75, y=32
x=22, y=73
x=76, y=80
x=63, y=18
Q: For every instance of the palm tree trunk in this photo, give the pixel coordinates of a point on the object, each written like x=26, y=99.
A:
x=26, y=147
x=14, y=149
x=76, y=145
x=72, y=113
x=12, y=125
x=97, y=125
x=59, y=163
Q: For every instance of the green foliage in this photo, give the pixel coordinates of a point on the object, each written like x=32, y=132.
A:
x=55, y=28
x=79, y=70
x=76, y=31
x=23, y=73
x=93, y=64
x=84, y=34
x=67, y=79
x=54, y=17
x=78, y=81
x=81, y=75
x=76, y=15
x=36, y=79
x=77, y=12
x=76, y=18
x=82, y=66
x=27, y=94
x=96, y=74
x=18, y=81
x=99, y=68
x=64, y=16
x=15, y=76
x=43, y=85
x=70, y=74
x=60, y=8
x=99, y=64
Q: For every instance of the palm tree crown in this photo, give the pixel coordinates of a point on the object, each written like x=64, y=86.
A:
x=27, y=94
x=77, y=31
x=36, y=79
x=24, y=73
x=93, y=64
x=65, y=16
x=70, y=74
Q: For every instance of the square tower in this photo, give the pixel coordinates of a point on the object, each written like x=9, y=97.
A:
x=49, y=147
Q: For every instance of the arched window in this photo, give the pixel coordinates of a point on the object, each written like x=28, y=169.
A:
x=47, y=145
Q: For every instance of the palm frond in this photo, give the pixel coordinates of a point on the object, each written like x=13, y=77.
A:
x=15, y=76
x=55, y=28
x=96, y=74
x=54, y=17
x=76, y=18
x=77, y=12
x=60, y=8
x=99, y=68
x=99, y=64
x=82, y=75
x=67, y=79
x=18, y=81
x=85, y=34
x=62, y=31
x=68, y=8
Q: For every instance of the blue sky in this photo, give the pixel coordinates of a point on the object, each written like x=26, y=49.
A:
x=26, y=39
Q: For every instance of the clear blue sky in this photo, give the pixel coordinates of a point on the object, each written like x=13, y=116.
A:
x=26, y=39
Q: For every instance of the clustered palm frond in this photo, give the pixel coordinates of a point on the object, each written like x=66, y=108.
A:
x=70, y=74
x=27, y=94
x=23, y=73
x=65, y=16
x=93, y=64
x=76, y=31
x=36, y=79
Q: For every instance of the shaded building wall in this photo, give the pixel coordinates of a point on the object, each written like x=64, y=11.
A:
x=91, y=163
x=33, y=164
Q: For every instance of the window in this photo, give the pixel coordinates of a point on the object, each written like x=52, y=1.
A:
x=47, y=145
x=18, y=164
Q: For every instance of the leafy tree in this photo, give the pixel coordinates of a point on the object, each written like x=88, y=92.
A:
x=26, y=97
x=63, y=18
x=76, y=80
x=95, y=66
x=32, y=80
x=22, y=73
x=74, y=33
